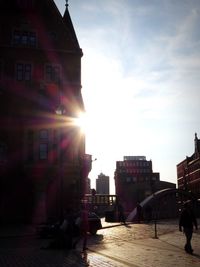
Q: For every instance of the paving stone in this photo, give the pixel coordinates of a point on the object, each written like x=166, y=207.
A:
x=121, y=246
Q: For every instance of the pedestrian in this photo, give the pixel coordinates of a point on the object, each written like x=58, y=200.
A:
x=64, y=232
x=69, y=229
x=187, y=221
x=83, y=225
x=121, y=215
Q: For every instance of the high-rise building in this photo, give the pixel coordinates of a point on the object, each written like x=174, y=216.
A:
x=42, y=152
x=188, y=171
x=135, y=180
x=102, y=184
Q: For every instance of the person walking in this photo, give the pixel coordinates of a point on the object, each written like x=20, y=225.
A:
x=187, y=221
x=121, y=215
x=83, y=226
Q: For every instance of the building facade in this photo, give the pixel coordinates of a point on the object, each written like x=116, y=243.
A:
x=135, y=180
x=102, y=184
x=188, y=171
x=42, y=151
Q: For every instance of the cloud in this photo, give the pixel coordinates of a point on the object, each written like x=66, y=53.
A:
x=140, y=77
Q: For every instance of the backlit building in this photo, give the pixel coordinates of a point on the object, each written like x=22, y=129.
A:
x=135, y=180
x=42, y=151
x=188, y=171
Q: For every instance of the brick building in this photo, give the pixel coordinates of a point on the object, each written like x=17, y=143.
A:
x=42, y=151
x=188, y=171
x=135, y=180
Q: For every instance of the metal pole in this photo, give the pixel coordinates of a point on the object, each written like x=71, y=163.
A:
x=155, y=228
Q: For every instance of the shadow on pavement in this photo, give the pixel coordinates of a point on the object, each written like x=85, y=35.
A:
x=193, y=254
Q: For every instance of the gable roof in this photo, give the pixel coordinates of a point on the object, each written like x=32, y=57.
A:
x=47, y=12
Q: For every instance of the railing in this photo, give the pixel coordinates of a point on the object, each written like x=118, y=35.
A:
x=101, y=200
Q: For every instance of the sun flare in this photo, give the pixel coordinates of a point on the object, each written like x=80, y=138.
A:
x=82, y=122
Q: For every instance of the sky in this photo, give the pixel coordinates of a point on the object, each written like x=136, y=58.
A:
x=140, y=80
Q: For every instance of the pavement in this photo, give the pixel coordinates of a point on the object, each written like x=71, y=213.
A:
x=116, y=245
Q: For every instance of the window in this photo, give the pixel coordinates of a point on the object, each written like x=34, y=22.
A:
x=43, y=134
x=128, y=179
x=55, y=136
x=27, y=72
x=23, y=72
x=16, y=38
x=52, y=73
x=43, y=147
x=43, y=151
x=134, y=179
x=24, y=38
x=32, y=39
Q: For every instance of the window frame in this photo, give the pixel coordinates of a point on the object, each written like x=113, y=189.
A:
x=24, y=38
x=43, y=144
x=23, y=71
x=43, y=151
x=52, y=73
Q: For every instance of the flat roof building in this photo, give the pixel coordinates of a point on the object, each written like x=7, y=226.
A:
x=102, y=184
x=135, y=180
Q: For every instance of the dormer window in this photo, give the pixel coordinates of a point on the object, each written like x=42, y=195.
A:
x=24, y=38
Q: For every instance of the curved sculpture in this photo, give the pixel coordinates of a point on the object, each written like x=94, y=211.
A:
x=157, y=196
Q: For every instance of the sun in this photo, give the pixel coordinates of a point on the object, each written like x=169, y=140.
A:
x=82, y=121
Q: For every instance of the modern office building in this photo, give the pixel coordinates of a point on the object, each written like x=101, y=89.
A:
x=42, y=151
x=188, y=171
x=135, y=180
x=102, y=184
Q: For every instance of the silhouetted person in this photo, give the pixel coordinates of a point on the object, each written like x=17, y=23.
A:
x=69, y=229
x=64, y=233
x=121, y=215
x=93, y=192
x=83, y=224
x=139, y=212
x=187, y=221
